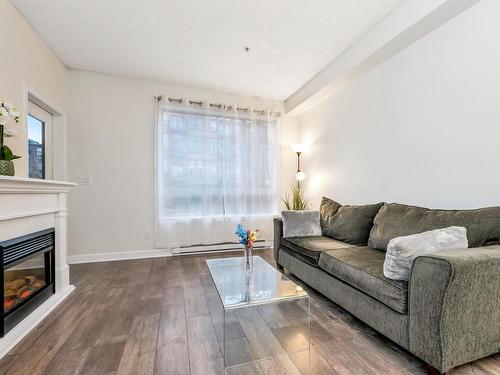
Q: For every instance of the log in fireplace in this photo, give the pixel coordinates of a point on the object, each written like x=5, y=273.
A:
x=27, y=275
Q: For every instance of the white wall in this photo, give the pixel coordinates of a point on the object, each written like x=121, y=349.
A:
x=111, y=139
x=27, y=63
x=422, y=128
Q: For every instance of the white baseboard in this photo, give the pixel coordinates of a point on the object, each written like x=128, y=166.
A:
x=157, y=253
x=31, y=321
x=118, y=255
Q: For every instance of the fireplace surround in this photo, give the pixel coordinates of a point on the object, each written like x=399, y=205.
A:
x=30, y=206
x=28, y=279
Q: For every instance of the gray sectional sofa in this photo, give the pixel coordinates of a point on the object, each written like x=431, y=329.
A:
x=447, y=314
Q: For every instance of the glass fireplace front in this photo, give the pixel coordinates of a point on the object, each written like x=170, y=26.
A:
x=24, y=281
x=28, y=265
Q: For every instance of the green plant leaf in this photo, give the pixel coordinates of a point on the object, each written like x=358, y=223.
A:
x=8, y=155
x=295, y=201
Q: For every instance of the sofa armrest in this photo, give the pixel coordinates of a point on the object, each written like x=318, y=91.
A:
x=454, y=306
x=278, y=234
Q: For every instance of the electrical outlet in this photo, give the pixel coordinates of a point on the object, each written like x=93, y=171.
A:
x=148, y=235
x=85, y=180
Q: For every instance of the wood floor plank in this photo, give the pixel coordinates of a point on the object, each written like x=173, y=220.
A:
x=227, y=324
x=263, y=343
x=490, y=365
x=341, y=358
x=237, y=351
x=26, y=343
x=103, y=359
x=281, y=365
x=196, y=305
x=47, y=345
x=467, y=369
x=139, y=352
x=159, y=316
x=119, y=318
x=194, y=297
x=173, y=317
x=204, y=351
x=314, y=362
x=208, y=284
x=172, y=355
x=68, y=362
x=7, y=361
x=394, y=357
x=172, y=359
x=87, y=332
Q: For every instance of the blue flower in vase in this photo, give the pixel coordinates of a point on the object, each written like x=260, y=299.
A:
x=242, y=234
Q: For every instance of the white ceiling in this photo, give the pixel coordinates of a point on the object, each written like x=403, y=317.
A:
x=201, y=43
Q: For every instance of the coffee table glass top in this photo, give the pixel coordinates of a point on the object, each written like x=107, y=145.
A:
x=238, y=287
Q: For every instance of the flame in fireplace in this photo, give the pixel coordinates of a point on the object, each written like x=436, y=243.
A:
x=18, y=290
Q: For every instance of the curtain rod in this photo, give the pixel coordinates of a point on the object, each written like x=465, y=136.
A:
x=219, y=106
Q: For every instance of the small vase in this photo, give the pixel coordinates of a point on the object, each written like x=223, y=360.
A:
x=7, y=168
x=248, y=273
x=248, y=256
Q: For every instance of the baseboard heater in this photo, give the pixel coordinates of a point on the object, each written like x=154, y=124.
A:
x=222, y=247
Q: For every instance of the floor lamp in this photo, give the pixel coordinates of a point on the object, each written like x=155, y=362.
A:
x=300, y=175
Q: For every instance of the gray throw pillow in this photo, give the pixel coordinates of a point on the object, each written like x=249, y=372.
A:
x=396, y=220
x=351, y=224
x=327, y=209
x=402, y=251
x=301, y=223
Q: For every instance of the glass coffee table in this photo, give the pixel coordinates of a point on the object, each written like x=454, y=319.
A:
x=259, y=313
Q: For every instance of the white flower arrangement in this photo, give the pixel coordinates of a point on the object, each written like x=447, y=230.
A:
x=8, y=113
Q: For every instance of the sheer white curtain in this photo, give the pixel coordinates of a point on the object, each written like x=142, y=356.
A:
x=214, y=169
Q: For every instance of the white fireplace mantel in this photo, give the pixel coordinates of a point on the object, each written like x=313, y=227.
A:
x=28, y=205
x=33, y=185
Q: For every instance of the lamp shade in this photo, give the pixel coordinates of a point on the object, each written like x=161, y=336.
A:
x=298, y=147
x=300, y=176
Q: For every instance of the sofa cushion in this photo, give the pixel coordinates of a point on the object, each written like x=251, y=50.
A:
x=308, y=249
x=362, y=268
x=349, y=223
x=396, y=220
x=327, y=210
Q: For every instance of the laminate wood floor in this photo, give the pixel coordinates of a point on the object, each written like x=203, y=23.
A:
x=152, y=316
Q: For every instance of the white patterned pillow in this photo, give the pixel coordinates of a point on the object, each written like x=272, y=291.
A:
x=402, y=251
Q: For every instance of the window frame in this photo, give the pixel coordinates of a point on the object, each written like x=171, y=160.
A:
x=46, y=119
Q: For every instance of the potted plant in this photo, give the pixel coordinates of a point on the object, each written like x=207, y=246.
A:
x=7, y=113
x=295, y=200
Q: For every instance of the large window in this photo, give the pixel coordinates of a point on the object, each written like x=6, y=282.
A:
x=215, y=164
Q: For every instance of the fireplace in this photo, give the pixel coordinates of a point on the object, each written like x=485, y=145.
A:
x=27, y=275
